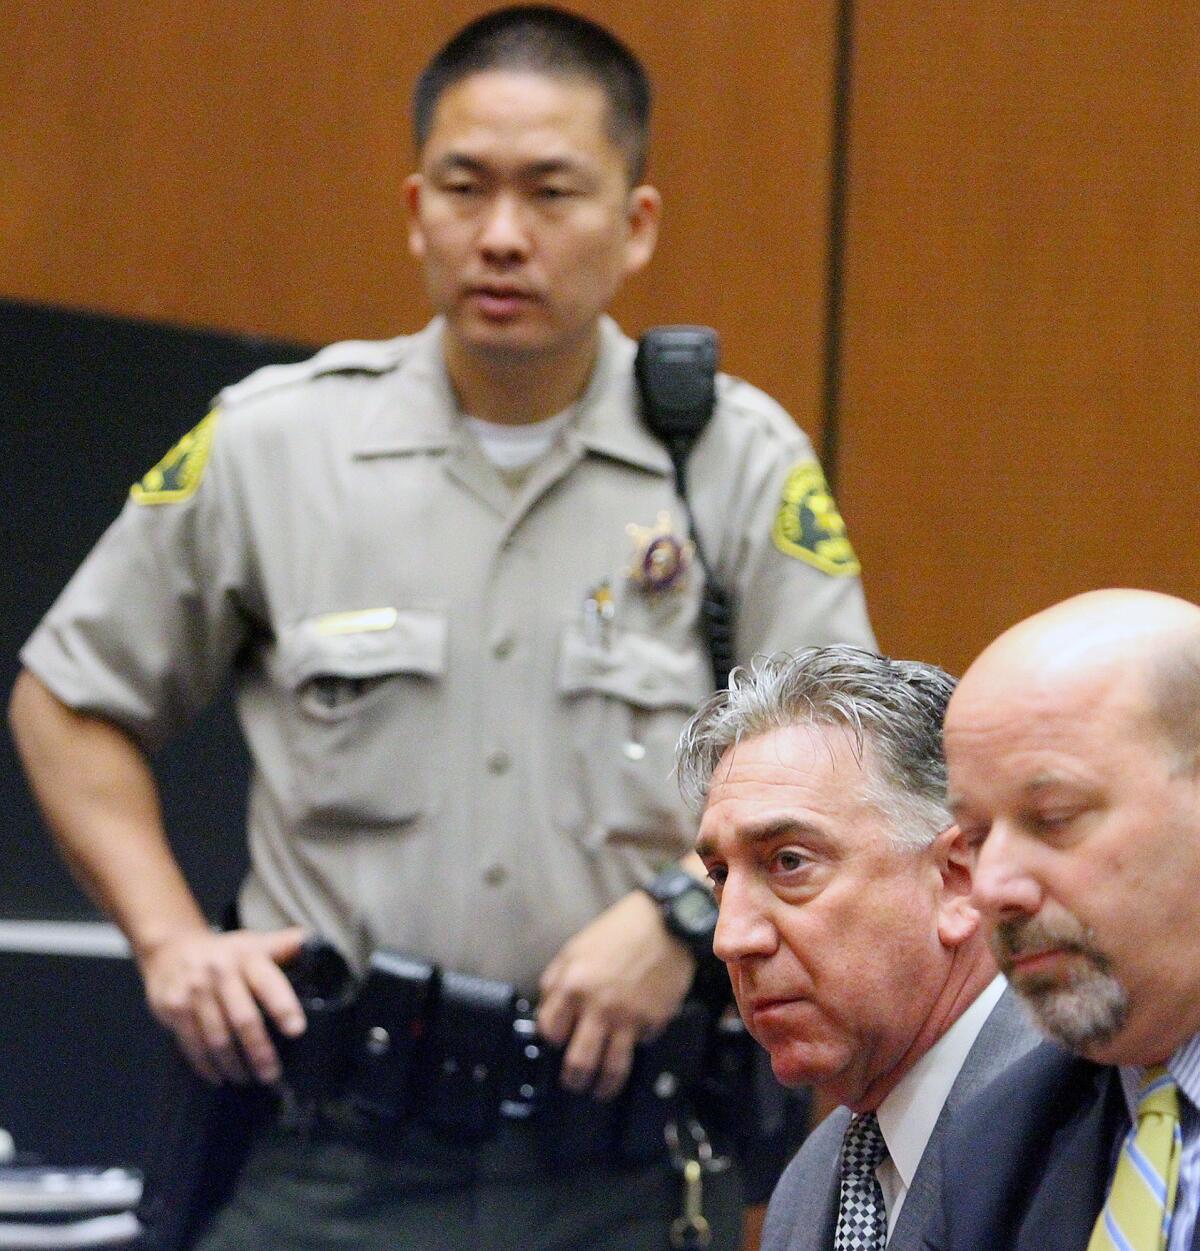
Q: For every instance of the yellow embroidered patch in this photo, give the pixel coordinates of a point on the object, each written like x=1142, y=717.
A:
x=808, y=525
x=178, y=474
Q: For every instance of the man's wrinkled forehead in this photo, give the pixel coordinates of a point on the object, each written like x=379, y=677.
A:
x=771, y=779
x=802, y=746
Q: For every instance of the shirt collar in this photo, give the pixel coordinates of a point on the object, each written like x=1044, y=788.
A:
x=418, y=411
x=908, y=1114
x=606, y=422
x=1184, y=1067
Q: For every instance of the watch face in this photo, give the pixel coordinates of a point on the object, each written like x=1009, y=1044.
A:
x=695, y=911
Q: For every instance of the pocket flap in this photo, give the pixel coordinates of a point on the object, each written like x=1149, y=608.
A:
x=637, y=668
x=365, y=644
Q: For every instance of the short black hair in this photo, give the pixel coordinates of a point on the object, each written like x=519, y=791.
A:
x=546, y=40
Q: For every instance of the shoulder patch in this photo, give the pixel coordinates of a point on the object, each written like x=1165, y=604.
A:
x=808, y=525
x=178, y=474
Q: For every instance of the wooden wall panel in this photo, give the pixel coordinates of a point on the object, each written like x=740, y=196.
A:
x=238, y=165
x=1021, y=388
x=1020, y=391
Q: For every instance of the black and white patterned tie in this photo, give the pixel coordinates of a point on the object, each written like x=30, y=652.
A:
x=862, y=1217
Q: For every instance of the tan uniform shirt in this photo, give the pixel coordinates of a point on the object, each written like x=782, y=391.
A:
x=460, y=704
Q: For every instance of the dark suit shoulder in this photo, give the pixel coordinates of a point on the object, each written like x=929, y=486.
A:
x=1037, y=1088
x=1026, y=1160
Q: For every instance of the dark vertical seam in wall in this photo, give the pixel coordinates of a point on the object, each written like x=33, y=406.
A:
x=843, y=70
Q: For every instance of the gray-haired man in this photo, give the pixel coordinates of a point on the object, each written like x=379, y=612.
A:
x=845, y=919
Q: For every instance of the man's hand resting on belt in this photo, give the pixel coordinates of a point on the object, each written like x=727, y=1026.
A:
x=212, y=990
x=618, y=981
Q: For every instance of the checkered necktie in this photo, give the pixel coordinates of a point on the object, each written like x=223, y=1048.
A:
x=1137, y=1212
x=862, y=1217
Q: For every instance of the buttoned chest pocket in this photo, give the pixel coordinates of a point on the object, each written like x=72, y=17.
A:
x=624, y=704
x=364, y=715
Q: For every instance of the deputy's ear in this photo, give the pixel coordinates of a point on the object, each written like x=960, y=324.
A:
x=643, y=213
x=957, y=917
x=414, y=186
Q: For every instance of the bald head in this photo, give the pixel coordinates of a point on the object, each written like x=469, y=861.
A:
x=1144, y=642
x=1072, y=746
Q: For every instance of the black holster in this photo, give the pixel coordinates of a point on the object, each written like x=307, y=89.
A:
x=196, y=1152
x=203, y=1133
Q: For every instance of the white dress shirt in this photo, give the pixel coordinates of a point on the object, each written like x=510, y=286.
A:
x=907, y=1116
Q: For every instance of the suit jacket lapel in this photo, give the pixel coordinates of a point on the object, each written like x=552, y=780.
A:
x=833, y=1201
x=1005, y=1036
x=814, y=1219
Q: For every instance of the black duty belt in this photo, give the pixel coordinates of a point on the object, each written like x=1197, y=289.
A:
x=462, y=1053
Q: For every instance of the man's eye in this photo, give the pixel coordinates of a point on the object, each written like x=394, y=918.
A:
x=716, y=875
x=788, y=860
x=1051, y=822
x=460, y=188
x=554, y=192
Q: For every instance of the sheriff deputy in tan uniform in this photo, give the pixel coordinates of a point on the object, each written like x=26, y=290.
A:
x=453, y=583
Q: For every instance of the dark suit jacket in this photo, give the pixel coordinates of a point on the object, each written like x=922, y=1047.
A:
x=1031, y=1158
x=803, y=1211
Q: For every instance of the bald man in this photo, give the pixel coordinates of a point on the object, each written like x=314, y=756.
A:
x=1073, y=746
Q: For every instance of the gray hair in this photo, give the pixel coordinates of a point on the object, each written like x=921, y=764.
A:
x=895, y=707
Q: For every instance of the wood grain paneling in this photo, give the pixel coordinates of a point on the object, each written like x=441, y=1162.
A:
x=1021, y=388
x=1019, y=384
x=238, y=165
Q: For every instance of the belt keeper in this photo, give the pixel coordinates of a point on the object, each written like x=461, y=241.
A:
x=389, y=1033
x=469, y=1045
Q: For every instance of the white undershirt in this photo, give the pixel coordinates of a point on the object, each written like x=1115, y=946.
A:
x=515, y=447
x=907, y=1116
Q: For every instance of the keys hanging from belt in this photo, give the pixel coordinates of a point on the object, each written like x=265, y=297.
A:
x=690, y=1228
x=693, y=1159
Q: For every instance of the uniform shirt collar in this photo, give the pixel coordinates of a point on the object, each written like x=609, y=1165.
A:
x=907, y=1116
x=419, y=412
x=608, y=421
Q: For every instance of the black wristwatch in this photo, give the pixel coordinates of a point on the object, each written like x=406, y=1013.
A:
x=688, y=908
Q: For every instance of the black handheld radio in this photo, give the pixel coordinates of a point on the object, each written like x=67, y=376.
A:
x=676, y=369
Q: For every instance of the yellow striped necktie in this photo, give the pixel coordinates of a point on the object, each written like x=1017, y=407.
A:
x=1137, y=1212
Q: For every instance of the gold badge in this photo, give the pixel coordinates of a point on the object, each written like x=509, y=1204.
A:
x=808, y=525
x=178, y=474
x=661, y=558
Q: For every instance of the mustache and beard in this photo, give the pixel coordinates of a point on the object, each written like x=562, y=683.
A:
x=1087, y=1007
